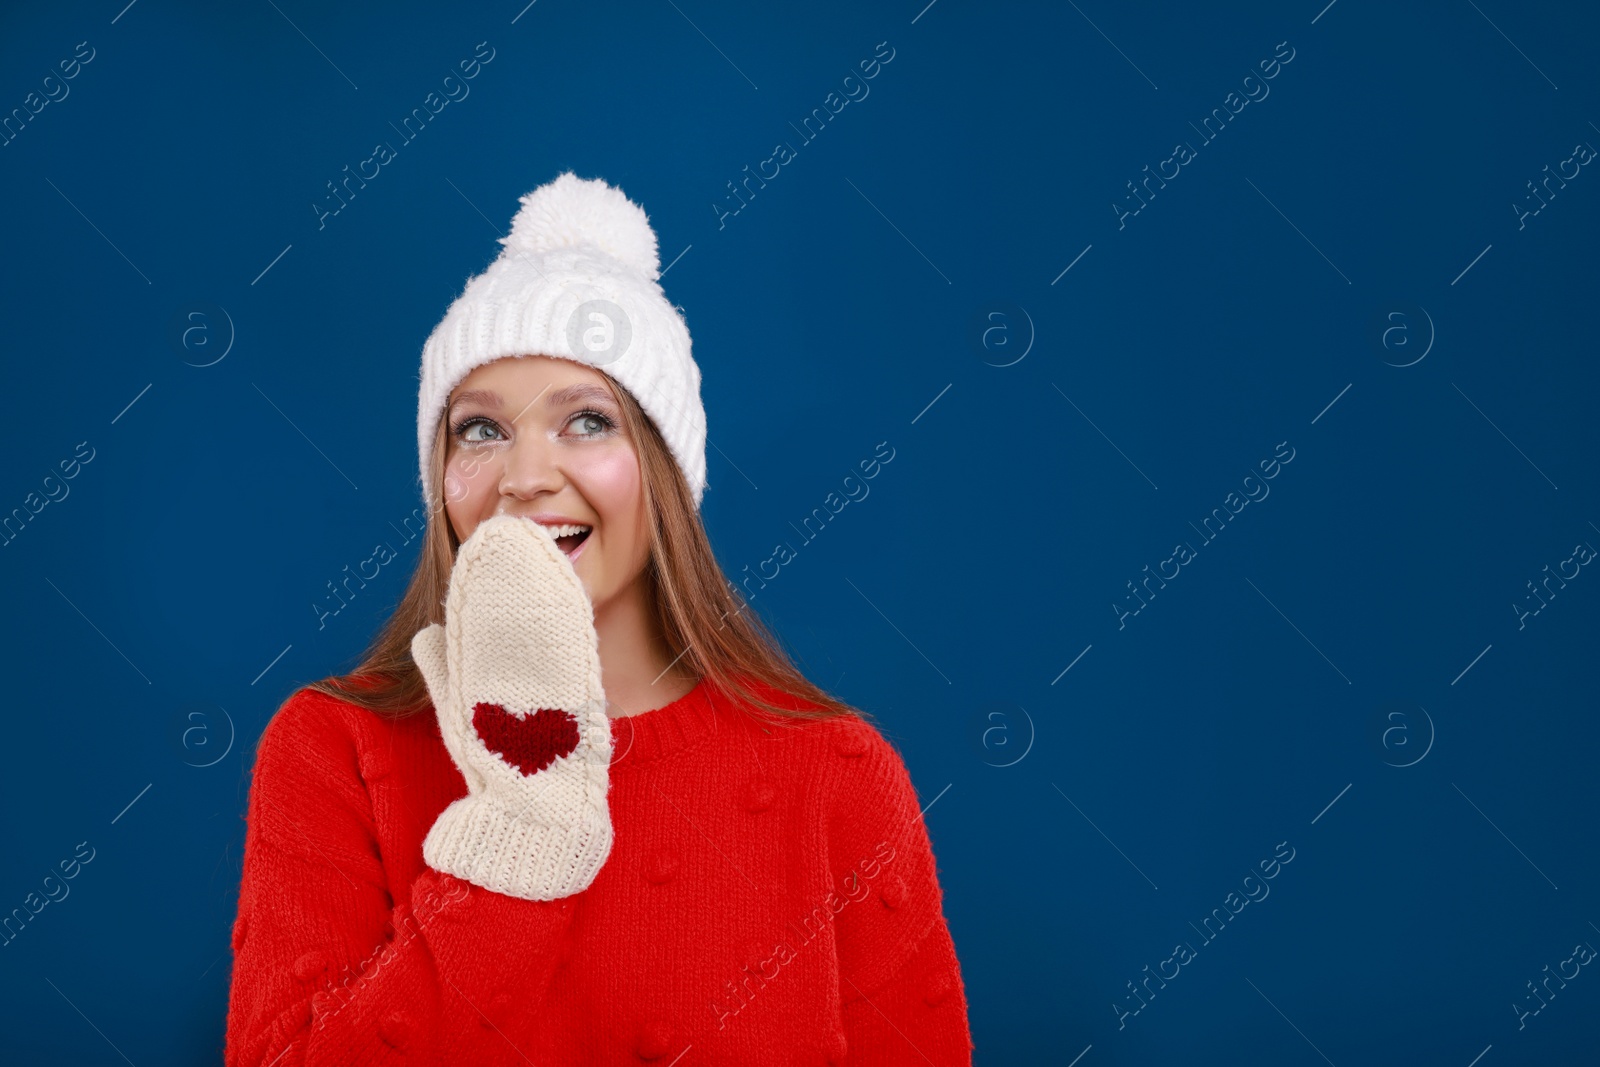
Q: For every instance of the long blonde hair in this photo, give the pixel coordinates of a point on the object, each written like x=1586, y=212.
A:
x=701, y=614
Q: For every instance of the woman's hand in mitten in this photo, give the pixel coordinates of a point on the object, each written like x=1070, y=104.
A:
x=514, y=673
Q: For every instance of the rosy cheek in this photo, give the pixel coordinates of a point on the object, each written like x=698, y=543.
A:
x=467, y=476
x=611, y=484
x=454, y=487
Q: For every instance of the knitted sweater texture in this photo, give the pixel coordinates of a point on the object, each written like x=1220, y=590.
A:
x=771, y=898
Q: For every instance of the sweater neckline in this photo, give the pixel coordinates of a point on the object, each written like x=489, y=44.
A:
x=665, y=731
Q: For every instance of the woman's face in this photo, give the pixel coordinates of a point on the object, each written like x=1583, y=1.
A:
x=543, y=438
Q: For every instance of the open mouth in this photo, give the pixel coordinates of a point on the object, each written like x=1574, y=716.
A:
x=570, y=538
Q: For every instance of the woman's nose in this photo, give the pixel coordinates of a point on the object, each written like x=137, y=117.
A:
x=530, y=467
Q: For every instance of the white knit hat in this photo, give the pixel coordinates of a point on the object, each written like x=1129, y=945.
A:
x=577, y=279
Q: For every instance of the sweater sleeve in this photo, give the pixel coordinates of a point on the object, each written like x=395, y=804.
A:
x=901, y=996
x=327, y=969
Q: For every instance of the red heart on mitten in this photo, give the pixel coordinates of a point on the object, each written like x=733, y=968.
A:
x=529, y=743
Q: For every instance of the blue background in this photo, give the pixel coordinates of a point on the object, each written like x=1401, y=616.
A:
x=1342, y=669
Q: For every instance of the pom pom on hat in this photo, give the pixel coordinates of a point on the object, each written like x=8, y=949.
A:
x=571, y=211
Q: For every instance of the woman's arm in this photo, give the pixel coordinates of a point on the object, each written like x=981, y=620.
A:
x=326, y=969
x=901, y=994
x=920, y=1014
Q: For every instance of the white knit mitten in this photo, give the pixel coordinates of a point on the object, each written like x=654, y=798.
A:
x=514, y=673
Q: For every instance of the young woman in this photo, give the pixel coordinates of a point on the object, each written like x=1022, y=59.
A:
x=575, y=806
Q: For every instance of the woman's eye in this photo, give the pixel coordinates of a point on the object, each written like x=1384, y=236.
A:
x=467, y=431
x=590, y=423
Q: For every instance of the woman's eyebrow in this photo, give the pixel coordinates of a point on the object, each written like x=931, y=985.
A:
x=580, y=391
x=487, y=397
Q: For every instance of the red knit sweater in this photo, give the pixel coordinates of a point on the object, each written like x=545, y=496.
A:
x=771, y=897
